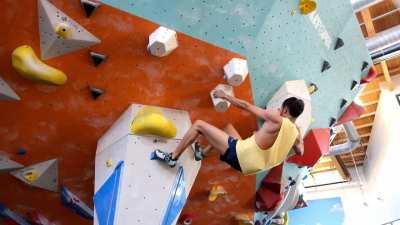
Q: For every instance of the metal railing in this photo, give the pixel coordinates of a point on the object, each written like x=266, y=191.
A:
x=391, y=222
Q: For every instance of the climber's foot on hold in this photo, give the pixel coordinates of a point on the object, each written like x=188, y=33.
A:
x=163, y=157
x=198, y=152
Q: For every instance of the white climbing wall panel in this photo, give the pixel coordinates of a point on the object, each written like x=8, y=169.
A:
x=298, y=89
x=52, y=44
x=145, y=184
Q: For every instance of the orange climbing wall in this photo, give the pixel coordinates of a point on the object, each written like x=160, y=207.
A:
x=65, y=123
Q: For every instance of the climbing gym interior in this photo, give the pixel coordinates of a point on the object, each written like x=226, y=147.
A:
x=199, y=112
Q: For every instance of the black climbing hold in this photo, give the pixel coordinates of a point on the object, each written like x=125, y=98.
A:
x=89, y=6
x=343, y=103
x=353, y=84
x=95, y=92
x=339, y=43
x=333, y=121
x=325, y=66
x=364, y=66
x=331, y=132
x=97, y=58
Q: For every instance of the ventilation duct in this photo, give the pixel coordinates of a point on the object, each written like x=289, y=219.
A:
x=353, y=141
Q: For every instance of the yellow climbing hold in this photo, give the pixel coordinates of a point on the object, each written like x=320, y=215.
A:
x=109, y=163
x=150, y=120
x=31, y=176
x=307, y=6
x=63, y=30
x=244, y=219
x=216, y=191
x=28, y=65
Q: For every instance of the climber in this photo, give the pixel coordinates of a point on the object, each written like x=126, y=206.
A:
x=269, y=146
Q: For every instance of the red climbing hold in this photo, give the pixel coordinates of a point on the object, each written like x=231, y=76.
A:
x=372, y=74
x=316, y=144
x=269, y=194
x=352, y=112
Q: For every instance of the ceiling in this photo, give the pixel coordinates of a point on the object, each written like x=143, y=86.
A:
x=372, y=20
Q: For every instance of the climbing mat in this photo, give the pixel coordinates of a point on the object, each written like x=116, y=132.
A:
x=280, y=43
x=133, y=188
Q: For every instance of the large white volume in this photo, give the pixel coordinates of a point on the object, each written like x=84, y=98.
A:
x=145, y=186
x=162, y=42
x=236, y=71
x=298, y=89
x=221, y=105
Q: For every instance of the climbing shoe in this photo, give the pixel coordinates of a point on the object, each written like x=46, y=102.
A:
x=198, y=152
x=163, y=157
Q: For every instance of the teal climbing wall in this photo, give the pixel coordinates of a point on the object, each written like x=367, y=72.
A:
x=279, y=43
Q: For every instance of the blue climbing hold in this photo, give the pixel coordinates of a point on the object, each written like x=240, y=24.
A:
x=70, y=200
x=21, y=151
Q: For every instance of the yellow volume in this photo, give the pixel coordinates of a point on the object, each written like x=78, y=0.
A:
x=28, y=65
x=150, y=120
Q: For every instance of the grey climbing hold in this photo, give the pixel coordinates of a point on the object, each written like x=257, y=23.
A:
x=59, y=34
x=97, y=58
x=354, y=83
x=95, y=92
x=343, y=103
x=333, y=121
x=89, y=6
x=7, y=165
x=339, y=43
x=364, y=66
x=42, y=175
x=325, y=66
x=6, y=93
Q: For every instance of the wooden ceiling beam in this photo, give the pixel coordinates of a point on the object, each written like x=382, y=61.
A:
x=369, y=24
x=386, y=74
x=341, y=167
x=364, y=126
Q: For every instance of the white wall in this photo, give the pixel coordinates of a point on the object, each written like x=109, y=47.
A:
x=383, y=154
x=353, y=198
x=378, y=201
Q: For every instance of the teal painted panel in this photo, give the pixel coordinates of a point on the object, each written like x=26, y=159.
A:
x=279, y=43
x=231, y=24
x=291, y=47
